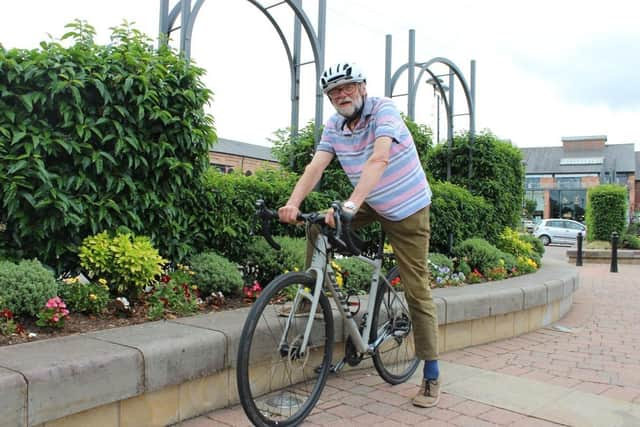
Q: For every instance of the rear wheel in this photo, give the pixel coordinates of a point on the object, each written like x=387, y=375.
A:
x=395, y=358
x=277, y=383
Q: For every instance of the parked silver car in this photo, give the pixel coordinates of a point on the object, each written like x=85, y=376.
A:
x=558, y=230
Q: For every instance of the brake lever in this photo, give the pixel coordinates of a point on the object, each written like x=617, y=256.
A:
x=266, y=215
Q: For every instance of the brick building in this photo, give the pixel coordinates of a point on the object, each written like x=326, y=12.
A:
x=228, y=155
x=558, y=178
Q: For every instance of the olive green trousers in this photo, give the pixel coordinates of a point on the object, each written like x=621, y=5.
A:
x=409, y=239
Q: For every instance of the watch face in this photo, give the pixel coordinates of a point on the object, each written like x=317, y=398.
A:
x=349, y=205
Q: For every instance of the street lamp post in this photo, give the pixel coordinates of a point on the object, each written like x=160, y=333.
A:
x=439, y=96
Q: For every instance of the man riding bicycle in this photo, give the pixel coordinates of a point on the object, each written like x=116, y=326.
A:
x=377, y=152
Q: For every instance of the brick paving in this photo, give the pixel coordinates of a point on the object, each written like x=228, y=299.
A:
x=595, y=352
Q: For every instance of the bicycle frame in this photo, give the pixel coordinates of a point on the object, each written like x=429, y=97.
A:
x=326, y=279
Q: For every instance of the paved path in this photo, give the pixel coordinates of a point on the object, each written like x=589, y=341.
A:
x=582, y=371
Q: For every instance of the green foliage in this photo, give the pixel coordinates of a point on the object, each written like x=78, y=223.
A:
x=630, y=241
x=480, y=255
x=227, y=208
x=26, y=287
x=175, y=294
x=606, y=211
x=263, y=263
x=93, y=137
x=454, y=210
x=510, y=241
x=129, y=263
x=215, y=273
x=356, y=275
x=89, y=298
x=294, y=154
x=422, y=138
x=441, y=260
x=530, y=207
x=536, y=244
x=497, y=175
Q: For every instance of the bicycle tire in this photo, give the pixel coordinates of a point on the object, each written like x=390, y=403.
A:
x=293, y=384
x=395, y=358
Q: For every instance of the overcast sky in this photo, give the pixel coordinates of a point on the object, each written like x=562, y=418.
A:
x=545, y=69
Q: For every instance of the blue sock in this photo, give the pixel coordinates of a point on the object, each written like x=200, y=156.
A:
x=431, y=370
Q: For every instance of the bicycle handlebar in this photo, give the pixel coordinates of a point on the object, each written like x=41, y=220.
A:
x=341, y=234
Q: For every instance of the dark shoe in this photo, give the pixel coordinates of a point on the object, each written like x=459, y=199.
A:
x=429, y=394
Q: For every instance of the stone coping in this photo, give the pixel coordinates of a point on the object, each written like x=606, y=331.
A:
x=51, y=379
x=603, y=256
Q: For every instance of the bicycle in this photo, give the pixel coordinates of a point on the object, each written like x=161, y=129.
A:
x=285, y=352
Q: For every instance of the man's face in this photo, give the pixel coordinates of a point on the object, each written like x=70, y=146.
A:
x=347, y=99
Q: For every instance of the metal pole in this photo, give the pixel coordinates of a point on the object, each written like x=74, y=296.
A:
x=450, y=124
x=163, y=35
x=411, y=99
x=322, y=24
x=387, y=66
x=579, y=252
x=295, y=83
x=614, y=252
x=185, y=18
x=472, y=119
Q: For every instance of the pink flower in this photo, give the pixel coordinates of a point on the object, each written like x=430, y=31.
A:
x=55, y=319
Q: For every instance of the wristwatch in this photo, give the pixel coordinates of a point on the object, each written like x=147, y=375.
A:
x=350, y=205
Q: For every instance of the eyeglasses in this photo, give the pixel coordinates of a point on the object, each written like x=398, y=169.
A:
x=348, y=89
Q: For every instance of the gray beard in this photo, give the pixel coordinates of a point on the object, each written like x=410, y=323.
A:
x=356, y=106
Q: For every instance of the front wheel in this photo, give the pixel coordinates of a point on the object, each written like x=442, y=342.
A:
x=278, y=383
x=545, y=239
x=395, y=358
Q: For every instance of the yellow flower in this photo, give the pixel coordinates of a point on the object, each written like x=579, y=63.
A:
x=194, y=287
x=307, y=289
x=93, y=297
x=339, y=280
x=335, y=266
x=102, y=281
x=387, y=249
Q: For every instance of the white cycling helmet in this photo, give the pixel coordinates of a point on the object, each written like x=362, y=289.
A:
x=341, y=73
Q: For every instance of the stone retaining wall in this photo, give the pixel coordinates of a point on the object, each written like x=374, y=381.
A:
x=160, y=373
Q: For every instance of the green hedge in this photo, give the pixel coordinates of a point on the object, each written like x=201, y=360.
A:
x=497, y=175
x=93, y=137
x=455, y=210
x=606, y=211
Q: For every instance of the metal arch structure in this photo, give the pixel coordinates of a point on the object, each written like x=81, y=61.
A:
x=447, y=95
x=316, y=40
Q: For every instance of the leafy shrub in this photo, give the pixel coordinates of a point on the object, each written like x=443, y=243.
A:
x=480, y=255
x=100, y=136
x=456, y=211
x=526, y=265
x=606, y=211
x=441, y=260
x=215, y=273
x=26, y=287
x=356, y=275
x=629, y=241
x=536, y=244
x=128, y=263
x=89, y=298
x=262, y=263
x=509, y=241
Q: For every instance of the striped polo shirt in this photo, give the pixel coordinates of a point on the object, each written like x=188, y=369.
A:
x=403, y=189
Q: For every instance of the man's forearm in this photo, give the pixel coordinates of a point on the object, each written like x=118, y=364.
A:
x=371, y=174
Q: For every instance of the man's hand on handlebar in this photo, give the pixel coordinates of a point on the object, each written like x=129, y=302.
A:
x=288, y=214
